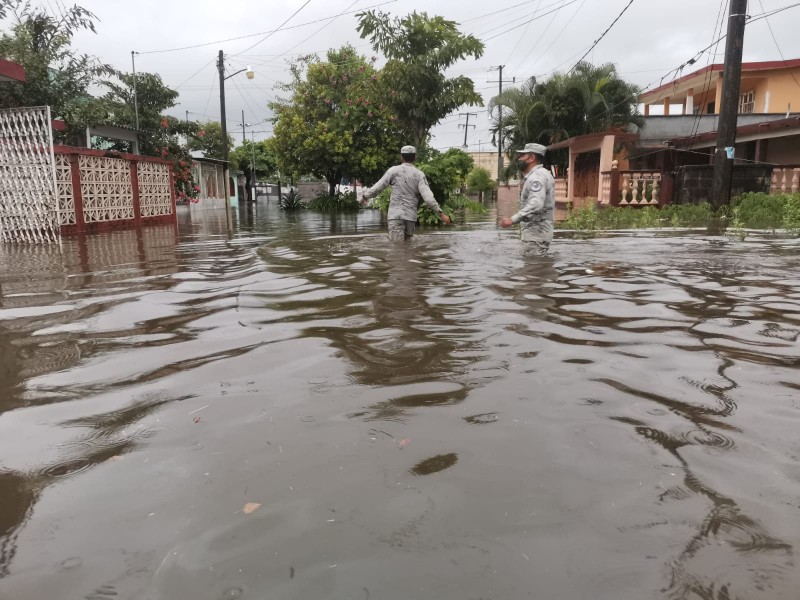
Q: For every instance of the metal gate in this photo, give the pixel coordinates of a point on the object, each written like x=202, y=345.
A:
x=28, y=201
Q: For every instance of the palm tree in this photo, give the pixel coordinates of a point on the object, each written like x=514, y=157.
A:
x=588, y=99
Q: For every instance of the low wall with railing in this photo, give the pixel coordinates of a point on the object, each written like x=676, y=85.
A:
x=785, y=179
x=635, y=188
x=99, y=190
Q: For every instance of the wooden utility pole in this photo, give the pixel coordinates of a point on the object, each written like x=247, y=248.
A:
x=729, y=105
x=467, y=126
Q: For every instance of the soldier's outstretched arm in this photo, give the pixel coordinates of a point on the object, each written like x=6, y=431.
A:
x=382, y=184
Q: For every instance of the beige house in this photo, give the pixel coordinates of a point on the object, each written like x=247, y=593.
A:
x=488, y=161
x=766, y=87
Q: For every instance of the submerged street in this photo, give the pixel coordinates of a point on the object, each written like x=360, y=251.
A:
x=302, y=410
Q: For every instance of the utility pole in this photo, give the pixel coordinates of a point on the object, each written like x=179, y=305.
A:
x=243, y=126
x=187, y=116
x=135, y=95
x=223, y=127
x=500, y=68
x=729, y=105
x=467, y=126
x=253, y=188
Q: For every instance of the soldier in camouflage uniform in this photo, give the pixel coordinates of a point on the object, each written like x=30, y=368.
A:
x=408, y=186
x=537, y=200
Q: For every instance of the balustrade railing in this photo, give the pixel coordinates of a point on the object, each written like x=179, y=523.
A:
x=785, y=179
x=640, y=188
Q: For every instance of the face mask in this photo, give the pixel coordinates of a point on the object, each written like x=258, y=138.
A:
x=522, y=164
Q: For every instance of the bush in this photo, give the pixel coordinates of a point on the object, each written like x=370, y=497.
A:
x=340, y=202
x=760, y=210
x=749, y=211
x=291, y=200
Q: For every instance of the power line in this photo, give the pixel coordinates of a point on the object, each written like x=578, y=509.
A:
x=524, y=31
x=774, y=39
x=529, y=20
x=249, y=35
x=516, y=20
x=269, y=35
x=318, y=30
x=597, y=41
x=555, y=39
x=707, y=82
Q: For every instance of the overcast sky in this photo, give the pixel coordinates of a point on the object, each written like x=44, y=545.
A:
x=650, y=39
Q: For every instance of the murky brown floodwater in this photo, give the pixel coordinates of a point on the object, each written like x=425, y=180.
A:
x=437, y=421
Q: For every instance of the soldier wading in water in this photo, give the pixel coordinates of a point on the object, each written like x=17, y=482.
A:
x=537, y=200
x=408, y=186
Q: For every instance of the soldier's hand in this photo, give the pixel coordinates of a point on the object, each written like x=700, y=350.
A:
x=505, y=222
x=445, y=219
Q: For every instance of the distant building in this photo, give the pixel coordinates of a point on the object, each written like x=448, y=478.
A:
x=488, y=161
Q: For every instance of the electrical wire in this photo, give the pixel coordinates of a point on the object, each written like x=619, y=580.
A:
x=528, y=21
x=597, y=41
x=710, y=75
x=774, y=39
x=555, y=39
x=524, y=31
x=271, y=31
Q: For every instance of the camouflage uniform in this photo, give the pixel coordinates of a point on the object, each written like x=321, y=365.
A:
x=408, y=186
x=537, y=201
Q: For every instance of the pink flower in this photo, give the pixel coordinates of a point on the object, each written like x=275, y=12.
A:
x=196, y=188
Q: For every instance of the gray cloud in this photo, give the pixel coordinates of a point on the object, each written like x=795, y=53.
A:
x=650, y=39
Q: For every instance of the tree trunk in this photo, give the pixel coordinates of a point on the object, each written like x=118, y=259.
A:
x=333, y=180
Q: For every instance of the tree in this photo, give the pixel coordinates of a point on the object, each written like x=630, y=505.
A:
x=589, y=99
x=480, y=180
x=446, y=172
x=56, y=75
x=265, y=161
x=153, y=98
x=208, y=140
x=420, y=48
x=334, y=124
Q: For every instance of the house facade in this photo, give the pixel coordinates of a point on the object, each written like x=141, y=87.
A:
x=768, y=87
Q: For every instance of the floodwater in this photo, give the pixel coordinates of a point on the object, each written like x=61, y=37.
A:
x=300, y=410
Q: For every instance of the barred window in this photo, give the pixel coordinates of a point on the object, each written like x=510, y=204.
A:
x=747, y=102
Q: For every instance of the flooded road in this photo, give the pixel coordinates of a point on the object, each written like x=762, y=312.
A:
x=300, y=410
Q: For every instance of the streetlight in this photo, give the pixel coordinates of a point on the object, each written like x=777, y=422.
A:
x=250, y=74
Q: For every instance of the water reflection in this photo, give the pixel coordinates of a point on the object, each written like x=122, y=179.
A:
x=641, y=394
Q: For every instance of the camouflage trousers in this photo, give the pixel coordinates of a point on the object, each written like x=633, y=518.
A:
x=400, y=229
x=537, y=238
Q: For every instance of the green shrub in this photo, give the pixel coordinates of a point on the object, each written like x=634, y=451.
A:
x=340, y=202
x=291, y=200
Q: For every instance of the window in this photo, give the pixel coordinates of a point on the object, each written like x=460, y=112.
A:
x=747, y=102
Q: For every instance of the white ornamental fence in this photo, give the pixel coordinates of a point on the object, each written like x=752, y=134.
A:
x=29, y=210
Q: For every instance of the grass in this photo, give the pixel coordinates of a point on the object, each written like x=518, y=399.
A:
x=750, y=211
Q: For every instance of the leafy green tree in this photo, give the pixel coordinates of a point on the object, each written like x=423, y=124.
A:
x=589, y=99
x=208, y=140
x=153, y=98
x=265, y=162
x=480, y=180
x=335, y=124
x=56, y=75
x=446, y=172
x=419, y=49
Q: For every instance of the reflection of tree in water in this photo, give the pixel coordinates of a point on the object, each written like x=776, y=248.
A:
x=387, y=329
x=106, y=439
